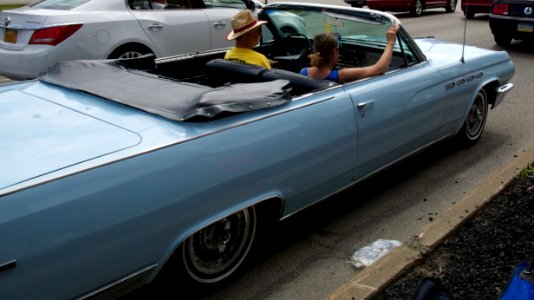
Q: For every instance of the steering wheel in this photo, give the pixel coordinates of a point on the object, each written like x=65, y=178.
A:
x=294, y=53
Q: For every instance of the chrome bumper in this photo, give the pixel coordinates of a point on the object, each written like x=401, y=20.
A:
x=501, y=92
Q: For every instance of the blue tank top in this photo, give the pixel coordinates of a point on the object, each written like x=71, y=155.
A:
x=333, y=75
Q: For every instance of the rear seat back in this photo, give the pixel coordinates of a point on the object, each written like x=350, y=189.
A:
x=301, y=84
x=221, y=71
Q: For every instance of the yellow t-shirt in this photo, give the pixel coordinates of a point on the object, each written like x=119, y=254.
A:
x=247, y=56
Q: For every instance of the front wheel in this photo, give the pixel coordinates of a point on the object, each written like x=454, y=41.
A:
x=216, y=251
x=475, y=121
x=417, y=9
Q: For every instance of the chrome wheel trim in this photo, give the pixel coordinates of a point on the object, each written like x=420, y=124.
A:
x=418, y=7
x=452, y=5
x=476, y=118
x=130, y=54
x=216, y=251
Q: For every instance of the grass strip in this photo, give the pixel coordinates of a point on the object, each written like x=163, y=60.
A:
x=9, y=6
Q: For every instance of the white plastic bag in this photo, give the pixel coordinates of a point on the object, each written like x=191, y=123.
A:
x=371, y=253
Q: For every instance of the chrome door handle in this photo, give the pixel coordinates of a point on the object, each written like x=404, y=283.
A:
x=155, y=27
x=219, y=24
x=363, y=105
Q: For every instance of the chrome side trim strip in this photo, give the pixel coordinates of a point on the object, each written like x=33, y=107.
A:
x=121, y=286
x=501, y=92
x=8, y=265
x=515, y=18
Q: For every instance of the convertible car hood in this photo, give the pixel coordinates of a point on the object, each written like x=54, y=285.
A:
x=445, y=52
x=39, y=137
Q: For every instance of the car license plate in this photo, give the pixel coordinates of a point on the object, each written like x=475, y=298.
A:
x=525, y=27
x=10, y=36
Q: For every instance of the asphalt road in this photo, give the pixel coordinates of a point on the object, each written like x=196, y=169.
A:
x=306, y=256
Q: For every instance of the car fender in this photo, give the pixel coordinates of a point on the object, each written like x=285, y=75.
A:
x=263, y=198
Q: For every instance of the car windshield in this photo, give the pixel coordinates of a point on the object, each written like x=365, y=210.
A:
x=58, y=4
x=363, y=28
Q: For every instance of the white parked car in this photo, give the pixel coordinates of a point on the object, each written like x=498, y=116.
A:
x=37, y=36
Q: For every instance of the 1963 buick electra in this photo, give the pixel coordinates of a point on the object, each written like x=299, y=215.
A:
x=112, y=170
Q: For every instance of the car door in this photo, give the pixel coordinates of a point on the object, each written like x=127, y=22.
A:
x=219, y=14
x=396, y=114
x=175, y=31
x=220, y=25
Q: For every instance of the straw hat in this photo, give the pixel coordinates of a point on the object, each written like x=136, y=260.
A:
x=242, y=23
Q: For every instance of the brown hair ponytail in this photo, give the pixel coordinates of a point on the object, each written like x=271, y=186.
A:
x=324, y=44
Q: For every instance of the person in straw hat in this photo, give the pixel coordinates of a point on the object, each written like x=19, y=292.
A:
x=246, y=31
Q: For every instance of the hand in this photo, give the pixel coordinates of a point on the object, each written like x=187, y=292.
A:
x=391, y=34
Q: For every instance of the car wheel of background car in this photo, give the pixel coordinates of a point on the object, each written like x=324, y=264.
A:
x=469, y=14
x=130, y=51
x=451, y=6
x=502, y=40
x=475, y=121
x=417, y=9
x=216, y=251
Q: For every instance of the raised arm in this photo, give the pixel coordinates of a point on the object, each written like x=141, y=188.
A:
x=380, y=67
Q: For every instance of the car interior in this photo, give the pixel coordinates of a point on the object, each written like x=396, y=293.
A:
x=289, y=45
x=209, y=68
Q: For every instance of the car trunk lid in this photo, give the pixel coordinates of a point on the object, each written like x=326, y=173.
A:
x=40, y=137
x=18, y=27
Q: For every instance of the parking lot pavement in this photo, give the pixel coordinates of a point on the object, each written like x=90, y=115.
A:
x=376, y=277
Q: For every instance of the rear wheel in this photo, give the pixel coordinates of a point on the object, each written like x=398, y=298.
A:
x=417, y=9
x=475, y=120
x=502, y=40
x=451, y=6
x=215, y=252
x=129, y=51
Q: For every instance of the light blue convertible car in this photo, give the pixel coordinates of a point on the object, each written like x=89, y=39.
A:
x=112, y=171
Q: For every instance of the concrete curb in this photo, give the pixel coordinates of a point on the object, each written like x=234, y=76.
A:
x=377, y=276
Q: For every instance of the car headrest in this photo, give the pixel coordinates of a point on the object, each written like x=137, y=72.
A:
x=236, y=72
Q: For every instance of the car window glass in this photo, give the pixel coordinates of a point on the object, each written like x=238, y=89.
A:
x=409, y=54
x=364, y=28
x=266, y=35
x=225, y=3
x=354, y=28
x=58, y=4
x=139, y=4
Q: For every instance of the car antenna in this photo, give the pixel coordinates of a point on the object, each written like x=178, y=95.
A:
x=465, y=30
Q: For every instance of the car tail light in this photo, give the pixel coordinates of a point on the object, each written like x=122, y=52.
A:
x=53, y=35
x=500, y=9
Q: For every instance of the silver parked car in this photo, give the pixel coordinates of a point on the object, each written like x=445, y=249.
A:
x=37, y=36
